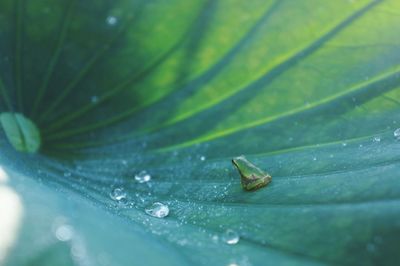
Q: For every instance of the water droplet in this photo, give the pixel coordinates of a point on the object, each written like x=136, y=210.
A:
x=202, y=158
x=396, y=133
x=124, y=203
x=371, y=247
x=111, y=20
x=230, y=237
x=118, y=194
x=124, y=162
x=94, y=99
x=157, y=210
x=344, y=144
x=79, y=253
x=64, y=233
x=215, y=238
x=182, y=242
x=377, y=139
x=67, y=174
x=378, y=239
x=314, y=158
x=143, y=177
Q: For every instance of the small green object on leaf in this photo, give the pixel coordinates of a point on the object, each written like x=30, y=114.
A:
x=252, y=177
x=21, y=132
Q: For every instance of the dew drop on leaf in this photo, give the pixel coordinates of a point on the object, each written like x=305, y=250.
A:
x=396, y=133
x=202, y=158
x=67, y=174
x=371, y=247
x=111, y=20
x=230, y=237
x=94, y=99
x=215, y=238
x=157, y=210
x=143, y=177
x=377, y=139
x=118, y=194
x=64, y=233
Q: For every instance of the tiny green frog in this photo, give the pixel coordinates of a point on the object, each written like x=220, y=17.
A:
x=252, y=177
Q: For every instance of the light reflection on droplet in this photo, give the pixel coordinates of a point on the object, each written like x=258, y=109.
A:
x=143, y=177
x=67, y=174
x=111, y=20
x=230, y=237
x=64, y=232
x=94, y=99
x=157, y=210
x=118, y=194
x=377, y=139
x=396, y=134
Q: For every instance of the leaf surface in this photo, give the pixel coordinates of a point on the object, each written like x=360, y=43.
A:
x=308, y=91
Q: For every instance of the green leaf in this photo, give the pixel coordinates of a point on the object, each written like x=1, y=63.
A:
x=308, y=91
x=21, y=132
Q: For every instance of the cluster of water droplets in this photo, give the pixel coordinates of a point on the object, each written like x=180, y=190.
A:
x=65, y=232
x=156, y=209
x=151, y=206
x=378, y=139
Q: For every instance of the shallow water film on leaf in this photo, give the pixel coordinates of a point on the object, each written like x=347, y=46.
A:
x=120, y=118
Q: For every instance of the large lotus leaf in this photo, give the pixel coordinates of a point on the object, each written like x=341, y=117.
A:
x=308, y=90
